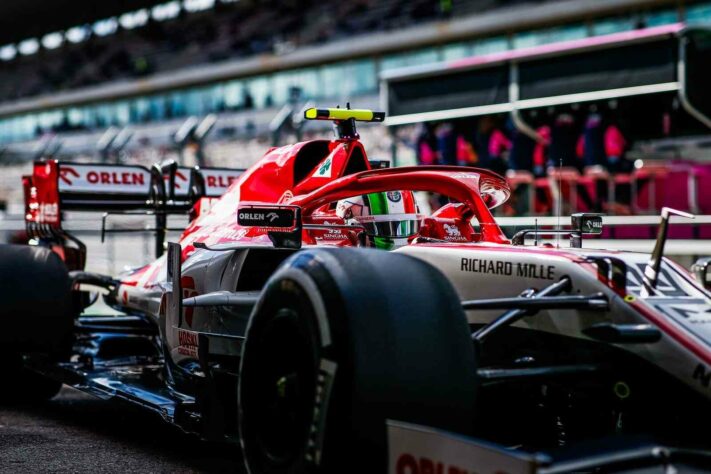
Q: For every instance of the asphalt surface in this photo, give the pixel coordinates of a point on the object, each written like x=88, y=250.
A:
x=75, y=432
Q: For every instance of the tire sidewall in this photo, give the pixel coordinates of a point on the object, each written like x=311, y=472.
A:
x=294, y=290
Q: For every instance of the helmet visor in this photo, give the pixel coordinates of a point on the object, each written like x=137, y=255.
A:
x=391, y=225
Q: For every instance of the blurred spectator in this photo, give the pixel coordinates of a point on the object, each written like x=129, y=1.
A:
x=591, y=152
x=466, y=156
x=591, y=146
x=540, y=151
x=446, y=144
x=522, y=148
x=482, y=135
x=230, y=30
x=615, y=145
x=499, y=146
x=426, y=145
x=563, y=142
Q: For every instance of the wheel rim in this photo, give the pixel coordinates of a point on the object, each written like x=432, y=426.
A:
x=284, y=379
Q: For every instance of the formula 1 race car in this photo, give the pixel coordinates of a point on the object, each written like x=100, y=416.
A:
x=278, y=323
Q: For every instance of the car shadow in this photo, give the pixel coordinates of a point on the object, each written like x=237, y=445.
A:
x=115, y=429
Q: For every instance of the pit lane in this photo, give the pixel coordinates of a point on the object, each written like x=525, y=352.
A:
x=75, y=432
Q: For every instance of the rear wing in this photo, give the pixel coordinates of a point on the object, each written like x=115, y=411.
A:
x=55, y=187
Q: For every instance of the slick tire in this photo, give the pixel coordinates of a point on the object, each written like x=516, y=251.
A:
x=36, y=316
x=340, y=341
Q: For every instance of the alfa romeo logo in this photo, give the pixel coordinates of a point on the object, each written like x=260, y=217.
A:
x=394, y=196
x=324, y=168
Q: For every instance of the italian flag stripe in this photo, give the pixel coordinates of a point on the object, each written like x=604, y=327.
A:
x=378, y=203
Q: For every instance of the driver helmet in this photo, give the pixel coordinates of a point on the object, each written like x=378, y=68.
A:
x=390, y=218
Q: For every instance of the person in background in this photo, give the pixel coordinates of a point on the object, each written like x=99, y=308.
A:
x=591, y=152
x=591, y=147
x=520, y=159
x=563, y=140
x=540, y=151
x=446, y=144
x=466, y=155
x=563, y=153
x=522, y=147
x=499, y=147
x=482, y=134
x=427, y=145
x=615, y=145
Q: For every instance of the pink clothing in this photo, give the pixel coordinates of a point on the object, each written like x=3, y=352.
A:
x=615, y=143
x=580, y=147
x=539, y=151
x=498, y=143
x=427, y=155
x=465, y=152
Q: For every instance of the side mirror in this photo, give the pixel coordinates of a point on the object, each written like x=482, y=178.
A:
x=282, y=223
x=701, y=271
x=623, y=333
x=584, y=223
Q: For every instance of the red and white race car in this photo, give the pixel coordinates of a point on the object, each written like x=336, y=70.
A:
x=268, y=324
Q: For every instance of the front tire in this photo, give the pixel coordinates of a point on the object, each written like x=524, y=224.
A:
x=341, y=341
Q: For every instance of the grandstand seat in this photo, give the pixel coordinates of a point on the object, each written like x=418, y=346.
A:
x=517, y=178
x=566, y=192
x=680, y=178
x=701, y=184
x=645, y=182
x=543, y=189
x=592, y=175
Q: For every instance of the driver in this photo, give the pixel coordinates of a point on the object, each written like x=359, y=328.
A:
x=390, y=219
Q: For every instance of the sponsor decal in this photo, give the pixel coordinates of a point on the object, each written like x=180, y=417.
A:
x=324, y=170
x=324, y=384
x=42, y=197
x=187, y=285
x=181, y=184
x=268, y=217
x=219, y=181
x=216, y=180
x=592, y=225
x=229, y=234
x=521, y=270
x=328, y=234
x=409, y=464
x=394, y=196
x=465, y=176
x=452, y=230
x=698, y=313
x=414, y=449
x=693, y=314
x=668, y=284
x=286, y=197
x=188, y=343
x=66, y=174
x=113, y=179
x=206, y=204
x=49, y=212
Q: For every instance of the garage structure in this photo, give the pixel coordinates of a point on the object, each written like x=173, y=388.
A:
x=669, y=60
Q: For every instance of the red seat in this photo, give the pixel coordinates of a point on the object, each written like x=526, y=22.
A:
x=646, y=182
x=592, y=175
x=701, y=194
x=567, y=190
x=516, y=178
